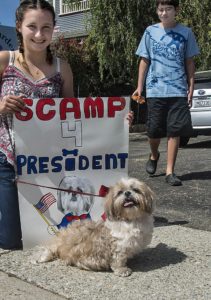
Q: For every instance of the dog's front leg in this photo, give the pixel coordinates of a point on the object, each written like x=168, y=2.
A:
x=45, y=254
x=119, y=267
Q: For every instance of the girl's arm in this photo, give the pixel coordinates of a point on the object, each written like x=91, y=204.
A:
x=8, y=103
x=4, y=61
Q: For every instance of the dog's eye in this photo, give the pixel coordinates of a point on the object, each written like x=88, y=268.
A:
x=119, y=193
x=137, y=191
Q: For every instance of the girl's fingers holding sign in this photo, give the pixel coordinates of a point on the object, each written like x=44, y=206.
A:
x=12, y=104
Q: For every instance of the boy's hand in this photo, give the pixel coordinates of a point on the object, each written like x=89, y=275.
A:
x=11, y=104
x=136, y=96
x=137, y=92
x=190, y=96
x=139, y=99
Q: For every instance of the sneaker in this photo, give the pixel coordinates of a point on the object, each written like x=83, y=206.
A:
x=151, y=165
x=173, y=180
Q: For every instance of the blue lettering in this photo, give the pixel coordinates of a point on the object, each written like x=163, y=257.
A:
x=43, y=167
x=108, y=158
x=96, y=164
x=31, y=166
x=21, y=162
x=57, y=167
x=83, y=163
x=70, y=164
x=39, y=165
x=122, y=157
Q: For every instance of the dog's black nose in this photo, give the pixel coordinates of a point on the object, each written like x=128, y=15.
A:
x=127, y=193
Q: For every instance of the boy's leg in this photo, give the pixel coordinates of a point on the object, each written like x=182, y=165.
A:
x=151, y=165
x=156, y=128
x=172, y=149
x=178, y=124
x=154, y=144
x=10, y=228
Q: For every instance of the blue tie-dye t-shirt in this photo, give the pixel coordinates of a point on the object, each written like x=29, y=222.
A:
x=167, y=49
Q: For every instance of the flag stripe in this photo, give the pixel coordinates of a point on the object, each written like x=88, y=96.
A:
x=45, y=202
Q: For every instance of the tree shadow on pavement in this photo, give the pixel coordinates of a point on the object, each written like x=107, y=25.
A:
x=158, y=175
x=204, y=144
x=161, y=221
x=205, y=175
x=156, y=258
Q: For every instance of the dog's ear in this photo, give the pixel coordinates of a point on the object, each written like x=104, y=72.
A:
x=108, y=206
x=149, y=202
x=59, y=202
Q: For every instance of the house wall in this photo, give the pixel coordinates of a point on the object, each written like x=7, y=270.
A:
x=72, y=22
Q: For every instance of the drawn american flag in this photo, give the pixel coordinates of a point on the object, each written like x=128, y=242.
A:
x=45, y=202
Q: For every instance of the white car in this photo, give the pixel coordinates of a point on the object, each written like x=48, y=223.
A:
x=201, y=106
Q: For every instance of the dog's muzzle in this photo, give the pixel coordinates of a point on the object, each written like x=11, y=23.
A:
x=129, y=201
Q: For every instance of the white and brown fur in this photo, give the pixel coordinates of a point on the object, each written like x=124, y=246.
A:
x=108, y=245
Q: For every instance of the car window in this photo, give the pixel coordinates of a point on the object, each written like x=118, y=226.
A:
x=202, y=84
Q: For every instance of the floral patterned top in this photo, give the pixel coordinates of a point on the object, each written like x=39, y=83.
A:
x=15, y=82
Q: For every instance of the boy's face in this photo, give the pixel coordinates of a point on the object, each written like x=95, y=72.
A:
x=167, y=14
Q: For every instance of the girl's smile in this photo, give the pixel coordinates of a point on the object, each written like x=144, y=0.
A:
x=37, y=29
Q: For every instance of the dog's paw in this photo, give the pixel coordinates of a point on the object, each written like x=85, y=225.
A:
x=43, y=255
x=123, y=272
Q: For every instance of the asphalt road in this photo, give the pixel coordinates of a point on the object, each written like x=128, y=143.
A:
x=186, y=205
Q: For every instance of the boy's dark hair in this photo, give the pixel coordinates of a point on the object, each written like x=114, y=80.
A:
x=20, y=12
x=175, y=3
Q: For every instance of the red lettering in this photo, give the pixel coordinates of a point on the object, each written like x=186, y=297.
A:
x=26, y=114
x=115, y=104
x=40, y=109
x=95, y=107
x=75, y=108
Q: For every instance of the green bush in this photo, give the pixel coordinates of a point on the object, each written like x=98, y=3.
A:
x=105, y=63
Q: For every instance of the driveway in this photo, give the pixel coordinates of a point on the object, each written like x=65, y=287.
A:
x=189, y=204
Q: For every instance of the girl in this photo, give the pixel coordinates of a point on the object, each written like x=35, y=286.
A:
x=31, y=71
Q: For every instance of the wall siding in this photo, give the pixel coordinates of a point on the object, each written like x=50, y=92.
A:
x=72, y=23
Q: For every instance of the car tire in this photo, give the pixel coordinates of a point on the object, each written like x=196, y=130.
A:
x=184, y=141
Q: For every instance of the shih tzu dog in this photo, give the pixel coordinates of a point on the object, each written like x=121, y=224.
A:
x=108, y=244
x=75, y=203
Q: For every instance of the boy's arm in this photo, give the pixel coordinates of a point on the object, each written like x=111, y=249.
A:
x=143, y=67
x=190, y=69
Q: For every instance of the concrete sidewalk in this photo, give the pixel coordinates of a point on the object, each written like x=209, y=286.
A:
x=177, y=265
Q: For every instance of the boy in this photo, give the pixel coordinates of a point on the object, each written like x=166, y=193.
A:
x=167, y=50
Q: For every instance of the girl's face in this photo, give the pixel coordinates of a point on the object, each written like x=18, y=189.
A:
x=167, y=14
x=36, y=29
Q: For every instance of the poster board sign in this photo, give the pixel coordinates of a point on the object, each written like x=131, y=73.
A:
x=8, y=38
x=68, y=151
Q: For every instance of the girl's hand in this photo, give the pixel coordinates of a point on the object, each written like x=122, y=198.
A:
x=11, y=104
x=130, y=118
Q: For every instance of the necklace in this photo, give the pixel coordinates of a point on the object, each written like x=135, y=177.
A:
x=34, y=68
x=29, y=67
